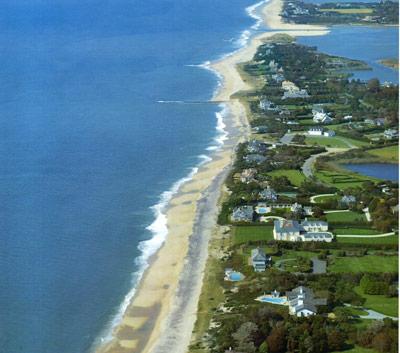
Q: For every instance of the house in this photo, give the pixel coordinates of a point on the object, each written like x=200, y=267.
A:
x=314, y=226
x=242, y=214
x=391, y=134
x=278, y=78
x=302, y=302
x=267, y=105
x=256, y=146
x=369, y=121
x=259, y=260
x=248, y=175
x=380, y=122
x=292, y=230
x=268, y=194
x=315, y=131
x=322, y=118
x=347, y=200
x=348, y=117
x=329, y=133
x=296, y=208
x=307, y=211
x=255, y=158
x=299, y=93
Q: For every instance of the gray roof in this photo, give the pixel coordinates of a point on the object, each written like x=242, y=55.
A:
x=314, y=223
x=287, y=226
x=317, y=235
x=258, y=254
x=306, y=306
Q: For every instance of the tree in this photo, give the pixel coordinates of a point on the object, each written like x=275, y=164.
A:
x=336, y=340
x=276, y=341
x=244, y=337
x=373, y=85
x=382, y=342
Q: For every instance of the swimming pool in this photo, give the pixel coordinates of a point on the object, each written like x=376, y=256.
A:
x=271, y=300
x=262, y=210
x=235, y=276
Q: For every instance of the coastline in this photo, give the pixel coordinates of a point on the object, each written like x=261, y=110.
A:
x=168, y=292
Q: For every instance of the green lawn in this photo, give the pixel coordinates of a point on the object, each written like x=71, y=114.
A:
x=243, y=234
x=380, y=303
x=348, y=216
x=368, y=263
x=390, y=153
x=296, y=177
x=392, y=239
x=322, y=199
x=356, y=231
x=342, y=179
x=326, y=141
x=349, y=11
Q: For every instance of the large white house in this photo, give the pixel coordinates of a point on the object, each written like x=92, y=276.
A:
x=292, y=230
x=302, y=302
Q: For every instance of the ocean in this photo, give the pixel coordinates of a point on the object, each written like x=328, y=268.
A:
x=101, y=119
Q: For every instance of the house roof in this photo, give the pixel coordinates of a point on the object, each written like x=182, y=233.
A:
x=314, y=223
x=258, y=255
x=287, y=226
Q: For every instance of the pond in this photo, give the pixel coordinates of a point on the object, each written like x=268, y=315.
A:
x=386, y=171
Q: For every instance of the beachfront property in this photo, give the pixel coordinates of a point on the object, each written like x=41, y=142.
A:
x=248, y=175
x=259, y=260
x=256, y=146
x=268, y=194
x=255, y=158
x=302, y=302
x=242, y=214
x=391, y=134
x=292, y=230
x=267, y=105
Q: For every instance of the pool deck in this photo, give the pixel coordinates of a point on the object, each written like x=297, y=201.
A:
x=269, y=296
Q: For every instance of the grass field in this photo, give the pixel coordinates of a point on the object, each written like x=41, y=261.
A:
x=347, y=216
x=326, y=141
x=341, y=179
x=390, y=153
x=356, y=231
x=322, y=199
x=380, y=303
x=349, y=11
x=243, y=234
x=296, y=177
x=368, y=263
x=392, y=239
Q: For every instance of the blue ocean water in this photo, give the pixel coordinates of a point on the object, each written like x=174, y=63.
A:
x=366, y=43
x=87, y=150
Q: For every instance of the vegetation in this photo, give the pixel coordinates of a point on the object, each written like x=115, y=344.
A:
x=369, y=263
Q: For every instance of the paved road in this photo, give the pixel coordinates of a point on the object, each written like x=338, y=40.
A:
x=307, y=167
x=319, y=266
x=365, y=236
x=312, y=198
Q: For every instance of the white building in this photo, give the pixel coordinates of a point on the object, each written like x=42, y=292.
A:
x=315, y=131
x=302, y=302
x=292, y=230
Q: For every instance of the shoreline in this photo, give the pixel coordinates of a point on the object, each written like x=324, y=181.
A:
x=168, y=292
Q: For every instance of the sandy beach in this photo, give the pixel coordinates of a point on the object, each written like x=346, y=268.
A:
x=161, y=316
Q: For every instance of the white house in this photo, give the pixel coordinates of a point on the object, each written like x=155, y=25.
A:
x=321, y=117
x=315, y=131
x=292, y=230
x=329, y=133
x=302, y=302
x=259, y=260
